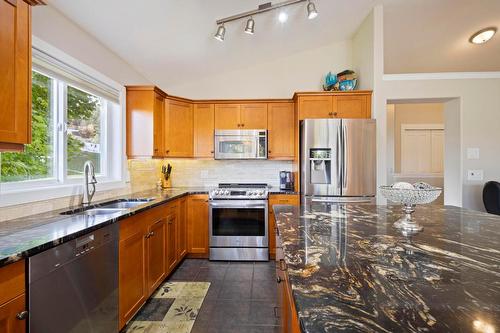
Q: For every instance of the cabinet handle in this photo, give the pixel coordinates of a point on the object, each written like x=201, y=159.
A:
x=211, y=152
x=330, y=113
x=168, y=151
x=276, y=313
x=152, y=234
x=282, y=265
x=22, y=315
x=156, y=149
x=242, y=125
x=278, y=279
x=335, y=114
x=239, y=125
x=269, y=151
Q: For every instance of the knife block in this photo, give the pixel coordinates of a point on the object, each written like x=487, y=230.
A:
x=166, y=183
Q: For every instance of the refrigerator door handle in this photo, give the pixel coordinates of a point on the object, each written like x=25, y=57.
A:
x=344, y=156
x=339, y=157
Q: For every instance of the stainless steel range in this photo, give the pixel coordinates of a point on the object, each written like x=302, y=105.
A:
x=238, y=222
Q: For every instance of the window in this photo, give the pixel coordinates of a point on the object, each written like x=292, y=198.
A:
x=70, y=125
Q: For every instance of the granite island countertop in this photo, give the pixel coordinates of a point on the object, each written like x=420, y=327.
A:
x=351, y=271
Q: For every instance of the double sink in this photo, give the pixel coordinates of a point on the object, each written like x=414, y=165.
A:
x=108, y=208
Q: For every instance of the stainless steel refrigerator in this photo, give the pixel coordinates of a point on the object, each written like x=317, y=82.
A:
x=338, y=159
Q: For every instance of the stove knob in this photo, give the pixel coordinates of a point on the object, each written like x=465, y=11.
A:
x=226, y=192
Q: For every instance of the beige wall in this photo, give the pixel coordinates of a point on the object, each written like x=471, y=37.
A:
x=277, y=78
x=52, y=27
x=362, y=53
x=422, y=113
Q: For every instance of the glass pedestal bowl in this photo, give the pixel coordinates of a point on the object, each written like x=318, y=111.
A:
x=409, y=198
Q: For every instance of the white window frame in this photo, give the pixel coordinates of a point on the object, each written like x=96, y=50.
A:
x=113, y=162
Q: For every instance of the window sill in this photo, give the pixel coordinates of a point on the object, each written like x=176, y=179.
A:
x=28, y=195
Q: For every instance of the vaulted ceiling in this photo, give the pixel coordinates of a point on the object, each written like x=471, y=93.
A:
x=171, y=42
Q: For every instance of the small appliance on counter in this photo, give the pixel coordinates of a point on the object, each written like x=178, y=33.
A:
x=287, y=181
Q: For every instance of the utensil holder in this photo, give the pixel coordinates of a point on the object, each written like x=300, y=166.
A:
x=166, y=183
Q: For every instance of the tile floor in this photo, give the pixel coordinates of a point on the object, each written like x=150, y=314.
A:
x=242, y=296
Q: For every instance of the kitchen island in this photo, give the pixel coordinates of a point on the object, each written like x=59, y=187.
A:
x=350, y=270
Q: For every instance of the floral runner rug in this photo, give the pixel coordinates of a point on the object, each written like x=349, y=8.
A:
x=172, y=309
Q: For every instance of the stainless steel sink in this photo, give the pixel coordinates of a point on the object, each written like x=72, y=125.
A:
x=111, y=207
x=102, y=211
x=124, y=204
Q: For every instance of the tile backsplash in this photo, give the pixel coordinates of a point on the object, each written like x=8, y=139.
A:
x=145, y=173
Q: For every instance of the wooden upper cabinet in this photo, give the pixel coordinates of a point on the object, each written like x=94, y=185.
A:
x=352, y=106
x=227, y=116
x=253, y=116
x=145, y=121
x=281, y=130
x=15, y=75
x=203, y=129
x=315, y=106
x=178, y=130
x=345, y=104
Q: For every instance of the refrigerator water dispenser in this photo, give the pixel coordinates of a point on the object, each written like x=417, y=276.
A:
x=321, y=165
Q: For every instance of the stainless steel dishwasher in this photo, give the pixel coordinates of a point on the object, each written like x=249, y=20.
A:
x=73, y=288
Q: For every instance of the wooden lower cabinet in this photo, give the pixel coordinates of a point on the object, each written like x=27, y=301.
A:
x=13, y=298
x=148, y=253
x=157, y=241
x=277, y=199
x=197, y=226
x=182, y=230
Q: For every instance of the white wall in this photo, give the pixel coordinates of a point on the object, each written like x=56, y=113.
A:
x=362, y=53
x=52, y=27
x=479, y=109
x=277, y=78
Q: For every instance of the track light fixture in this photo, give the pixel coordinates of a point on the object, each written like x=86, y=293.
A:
x=311, y=10
x=221, y=32
x=250, y=25
x=249, y=28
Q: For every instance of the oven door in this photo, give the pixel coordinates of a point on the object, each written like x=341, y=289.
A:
x=238, y=223
x=235, y=147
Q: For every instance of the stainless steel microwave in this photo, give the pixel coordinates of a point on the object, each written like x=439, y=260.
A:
x=240, y=144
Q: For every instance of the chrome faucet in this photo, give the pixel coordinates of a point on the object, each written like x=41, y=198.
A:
x=88, y=193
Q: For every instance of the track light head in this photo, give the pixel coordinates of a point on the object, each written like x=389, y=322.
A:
x=311, y=10
x=221, y=32
x=250, y=27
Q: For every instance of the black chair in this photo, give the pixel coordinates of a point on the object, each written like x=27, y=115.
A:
x=491, y=197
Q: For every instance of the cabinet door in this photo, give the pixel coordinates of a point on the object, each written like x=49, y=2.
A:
x=15, y=74
x=158, y=121
x=198, y=225
x=352, y=106
x=178, y=129
x=253, y=116
x=281, y=130
x=9, y=323
x=203, y=123
x=182, y=229
x=171, y=240
x=277, y=200
x=132, y=265
x=311, y=107
x=227, y=116
x=156, y=241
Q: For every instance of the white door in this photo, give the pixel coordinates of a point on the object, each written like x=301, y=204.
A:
x=421, y=151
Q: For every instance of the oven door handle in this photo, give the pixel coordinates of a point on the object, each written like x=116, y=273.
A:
x=237, y=204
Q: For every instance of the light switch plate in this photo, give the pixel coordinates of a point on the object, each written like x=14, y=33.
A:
x=472, y=153
x=475, y=175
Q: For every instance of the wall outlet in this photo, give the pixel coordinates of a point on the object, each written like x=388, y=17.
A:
x=472, y=153
x=475, y=175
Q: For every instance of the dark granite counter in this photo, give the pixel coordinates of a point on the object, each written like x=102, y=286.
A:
x=351, y=271
x=26, y=236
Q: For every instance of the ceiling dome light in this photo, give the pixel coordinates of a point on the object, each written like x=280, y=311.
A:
x=283, y=17
x=483, y=35
x=250, y=27
x=221, y=32
x=311, y=10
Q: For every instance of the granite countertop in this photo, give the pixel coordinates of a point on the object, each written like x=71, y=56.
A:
x=351, y=271
x=26, y=236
